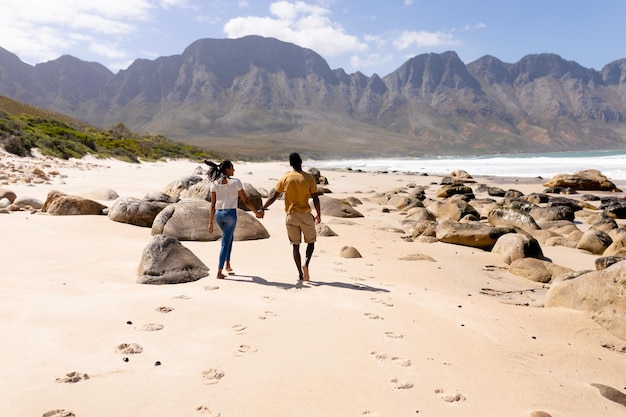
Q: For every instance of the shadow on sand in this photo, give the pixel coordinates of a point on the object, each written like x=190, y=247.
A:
x=303, y=284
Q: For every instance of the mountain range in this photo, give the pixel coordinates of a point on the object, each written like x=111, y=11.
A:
x=257, y=97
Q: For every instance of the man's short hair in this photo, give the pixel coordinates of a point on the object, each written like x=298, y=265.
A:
x=294, y=160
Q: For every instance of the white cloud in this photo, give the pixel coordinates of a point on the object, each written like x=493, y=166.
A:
x=108, y=50
x=408, y=2
x=303, y=24
x=422, y=38
x=360, y=63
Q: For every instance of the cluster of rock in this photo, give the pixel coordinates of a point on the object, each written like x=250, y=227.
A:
x=515, y=226
x=505, y=222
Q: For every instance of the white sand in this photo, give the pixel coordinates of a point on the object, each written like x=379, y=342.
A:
x=374, y=336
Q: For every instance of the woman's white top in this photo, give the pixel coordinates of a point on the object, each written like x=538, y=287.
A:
x=227, y=195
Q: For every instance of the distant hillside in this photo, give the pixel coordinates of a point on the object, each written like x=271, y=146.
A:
x=262, y=98
x=24, y=127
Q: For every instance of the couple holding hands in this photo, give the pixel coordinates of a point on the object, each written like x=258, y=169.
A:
x=297, y=187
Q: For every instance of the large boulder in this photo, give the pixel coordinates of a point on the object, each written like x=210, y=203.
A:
x=590, y=179
x=134, y=211
x=175, y=188
x=514, y=246
x=60, y=204
x=456, y=188
x=553, y=213
x=337, y=208
x=253, y=195
x=166, y=261
x=602, y=293
x=594, y=241
x=25, y=202
x=537, y=270
x=8, y=194
x=186, y=220
x=456, y=209
x=200, y=190
x=472, y=234
x=189, y=220
x=510, y=217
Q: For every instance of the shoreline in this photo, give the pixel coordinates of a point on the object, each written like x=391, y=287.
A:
x=410, y=328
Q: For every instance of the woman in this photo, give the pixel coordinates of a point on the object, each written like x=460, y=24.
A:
x=225, y=194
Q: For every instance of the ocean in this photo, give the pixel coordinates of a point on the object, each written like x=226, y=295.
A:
x=611, y=163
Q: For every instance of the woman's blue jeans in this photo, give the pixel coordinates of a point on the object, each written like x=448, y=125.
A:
x=227, y=221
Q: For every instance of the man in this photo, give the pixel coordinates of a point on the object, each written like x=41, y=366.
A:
x=298, y=186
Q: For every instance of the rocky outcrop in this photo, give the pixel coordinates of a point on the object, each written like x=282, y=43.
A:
x=513, y=246
x=189, y=220
x=475, y=234
x=60, y=204
x=134, y=211
x=537, y=270
x=601, y=293
x=337, y=208
x=166, y=261
x=590, y=179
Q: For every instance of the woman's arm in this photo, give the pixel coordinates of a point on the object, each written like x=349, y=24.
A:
x=212, y=215
x=247, y=202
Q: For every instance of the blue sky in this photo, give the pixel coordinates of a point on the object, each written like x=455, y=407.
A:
x=371, y=36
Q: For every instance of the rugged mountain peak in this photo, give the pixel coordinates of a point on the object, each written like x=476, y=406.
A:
x=427, y=73
x=532, y=67
x=232, y=58
x=615, y=73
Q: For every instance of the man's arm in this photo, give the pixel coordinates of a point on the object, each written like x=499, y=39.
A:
x=273, y=196
x=316, y=204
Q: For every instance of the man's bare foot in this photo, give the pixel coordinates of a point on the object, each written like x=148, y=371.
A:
x=229, y=270
x=220, y=275
x=305, y=273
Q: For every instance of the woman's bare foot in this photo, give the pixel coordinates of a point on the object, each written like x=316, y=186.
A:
x=220, y=275
x=305, y=273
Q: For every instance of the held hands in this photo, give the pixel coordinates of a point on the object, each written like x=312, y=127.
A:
x=260, y=214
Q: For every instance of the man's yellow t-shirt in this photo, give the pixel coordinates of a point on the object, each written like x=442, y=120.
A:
x=297, y=188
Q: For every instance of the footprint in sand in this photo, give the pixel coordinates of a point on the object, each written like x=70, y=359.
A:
x=212, y=376
x=164, y=309
x=129, y=348
x=243, y=349
x=205, y=411
x=183, y=297
x=373, y=316
x=152, y=327
x=72, y=378
x=449, y=398
x=59, y=413
x=400, y=384
x=393, y=335
x=267, y=314
x=379, y=356
x=268, y=299
x=211, y=288
x=369, y=413
x=386, y=303
x=239, y=328
x=401, y=361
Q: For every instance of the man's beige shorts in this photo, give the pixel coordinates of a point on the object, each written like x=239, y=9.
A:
x=299, y=224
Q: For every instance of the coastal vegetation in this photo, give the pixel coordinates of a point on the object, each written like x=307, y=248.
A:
x=24, y=127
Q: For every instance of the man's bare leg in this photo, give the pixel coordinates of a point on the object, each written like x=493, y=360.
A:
x=228, y=268
x=298, y=260
x=309, y=254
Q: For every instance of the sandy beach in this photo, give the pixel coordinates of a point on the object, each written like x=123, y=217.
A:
x=409, y=329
